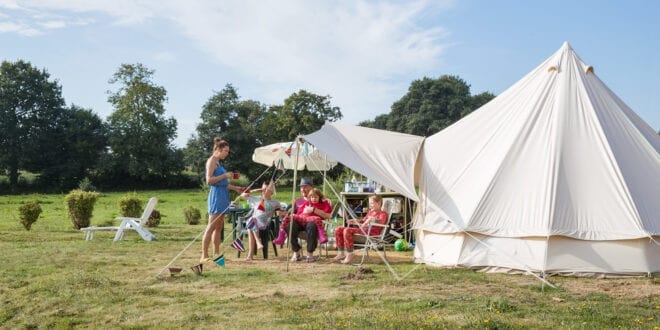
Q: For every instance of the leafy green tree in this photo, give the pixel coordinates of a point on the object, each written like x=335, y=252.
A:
x=30, y=118
x=429, y=106
x=140, y=136
x=214, y=116
x=302, y=113
x=249, y=124
x=84, y=139
x=226, y=116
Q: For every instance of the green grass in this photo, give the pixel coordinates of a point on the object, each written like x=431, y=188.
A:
x=50, y=277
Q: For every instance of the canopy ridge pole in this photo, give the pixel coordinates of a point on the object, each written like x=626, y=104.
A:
x=293, y=201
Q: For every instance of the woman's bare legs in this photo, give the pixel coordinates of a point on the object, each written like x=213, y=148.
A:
x=217, y=233
x=213, y=231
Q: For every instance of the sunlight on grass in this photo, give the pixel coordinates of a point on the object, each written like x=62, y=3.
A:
x=52, y=278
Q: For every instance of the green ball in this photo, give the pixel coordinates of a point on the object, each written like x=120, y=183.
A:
x=401, y=245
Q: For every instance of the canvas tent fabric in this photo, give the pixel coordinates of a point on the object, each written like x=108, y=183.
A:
x=388, y=158
x=554, y=175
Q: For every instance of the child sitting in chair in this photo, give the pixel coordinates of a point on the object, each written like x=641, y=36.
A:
x=315, y=200
x=344, y=235
x=263, y=209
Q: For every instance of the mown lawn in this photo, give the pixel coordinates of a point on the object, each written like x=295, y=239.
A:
x=51, y=277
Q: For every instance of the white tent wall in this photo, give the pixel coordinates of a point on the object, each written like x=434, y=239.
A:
x=618, y=257
x=556, y=175
x=564, y=255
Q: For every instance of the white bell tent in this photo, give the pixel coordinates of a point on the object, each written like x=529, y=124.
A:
x=555, y=175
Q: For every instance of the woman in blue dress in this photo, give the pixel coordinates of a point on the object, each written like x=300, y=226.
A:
x=218, y=201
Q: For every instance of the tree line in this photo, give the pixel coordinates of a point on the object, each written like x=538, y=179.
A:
x=133, y=148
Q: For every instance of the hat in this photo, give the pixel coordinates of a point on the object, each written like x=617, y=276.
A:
x=306, y=182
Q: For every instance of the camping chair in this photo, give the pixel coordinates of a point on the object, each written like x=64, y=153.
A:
x=128, y=223
x=266, y=235
x=376, y=242
x=328, y=226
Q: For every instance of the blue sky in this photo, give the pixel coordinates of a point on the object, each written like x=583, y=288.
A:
x=364, y=54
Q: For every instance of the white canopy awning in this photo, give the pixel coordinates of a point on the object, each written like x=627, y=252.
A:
x=388, y=158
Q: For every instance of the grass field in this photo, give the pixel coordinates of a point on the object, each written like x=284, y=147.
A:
x=50, y=277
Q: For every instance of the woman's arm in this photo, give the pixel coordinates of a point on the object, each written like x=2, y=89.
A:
x=211, y=165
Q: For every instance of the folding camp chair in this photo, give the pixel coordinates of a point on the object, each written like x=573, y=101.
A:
x=128, y=223
x=376, y=242
x=328, y=227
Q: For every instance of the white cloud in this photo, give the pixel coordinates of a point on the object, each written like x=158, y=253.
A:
x=19, y=28
x=29, y=20
x=355, y=51
x=125, y=11
x=165, y=56
x=52, y=24
x=362, y=53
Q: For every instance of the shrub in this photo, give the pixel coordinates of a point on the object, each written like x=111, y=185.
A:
x=192, y=215
x=86, y=185
x=130, y=206
x=29, y=213
x=80, y=205
x=154, y=219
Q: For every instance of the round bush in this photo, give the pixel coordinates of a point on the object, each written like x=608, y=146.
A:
x=154, y=219
x=29, y=213
x=192, y=215
x=130, y=206
x=80, y=205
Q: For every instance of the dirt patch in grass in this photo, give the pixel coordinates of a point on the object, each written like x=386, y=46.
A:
x=615, y=288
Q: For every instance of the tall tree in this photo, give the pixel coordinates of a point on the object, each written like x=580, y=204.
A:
x=429, y=106
x=226, y=116
x=84, y=139
x=302, y=113
x=30, y=110
x=248, y=124
x=140, y=136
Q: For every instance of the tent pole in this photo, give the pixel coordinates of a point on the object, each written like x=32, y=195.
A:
x=325, y=163
x=293, y=200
